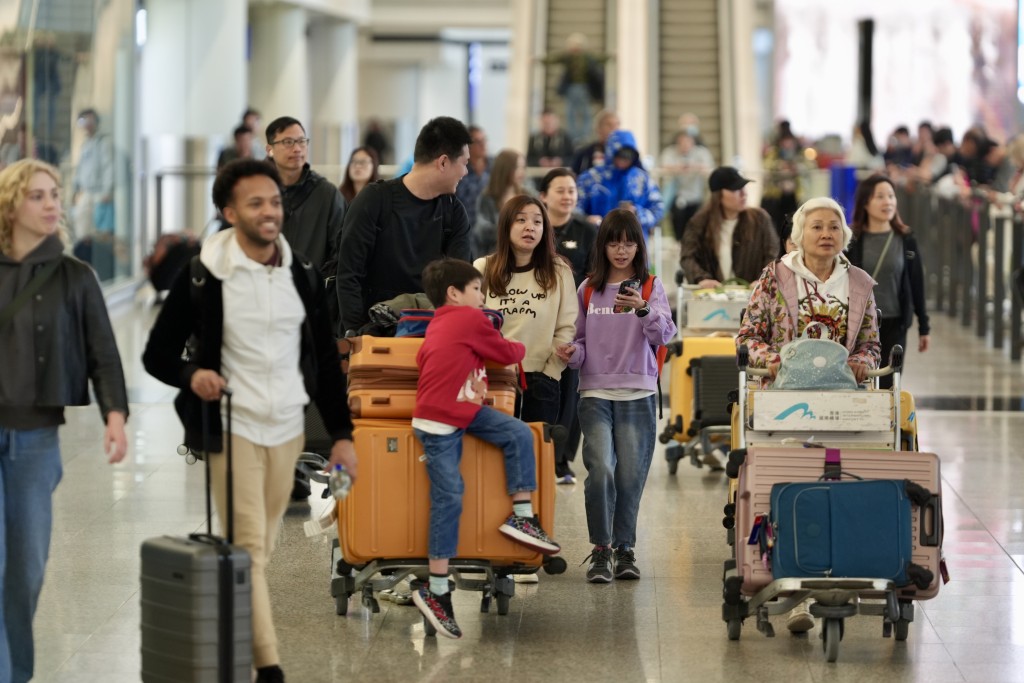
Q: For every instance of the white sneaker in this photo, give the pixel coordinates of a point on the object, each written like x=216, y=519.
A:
x=800, y=619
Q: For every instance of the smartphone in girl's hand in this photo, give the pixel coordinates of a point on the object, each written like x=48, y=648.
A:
x=631, y=283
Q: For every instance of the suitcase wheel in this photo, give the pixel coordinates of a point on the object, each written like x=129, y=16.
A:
x=831, y=635
x=554, y=565
x=503, y=601
x=341, y=604
x=734, y=626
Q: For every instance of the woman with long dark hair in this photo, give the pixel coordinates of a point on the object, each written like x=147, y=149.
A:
x=532, y=285
x=506, y=181
x=363, y=168
x=884, y=246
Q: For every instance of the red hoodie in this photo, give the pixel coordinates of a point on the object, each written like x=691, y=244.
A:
x=453, y=381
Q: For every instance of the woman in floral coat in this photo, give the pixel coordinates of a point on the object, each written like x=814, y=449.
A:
x=814, y=283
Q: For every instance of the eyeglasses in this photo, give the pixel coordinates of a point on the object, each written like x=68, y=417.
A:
x=622, y=246
x=288, y=143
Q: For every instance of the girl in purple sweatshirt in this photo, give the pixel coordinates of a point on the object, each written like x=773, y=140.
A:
x=617, y=333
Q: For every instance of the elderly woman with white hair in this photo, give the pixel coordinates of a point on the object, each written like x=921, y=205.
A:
x=814, y=283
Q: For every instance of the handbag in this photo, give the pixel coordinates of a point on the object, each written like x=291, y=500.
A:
x=819, y=364
x=413, y=322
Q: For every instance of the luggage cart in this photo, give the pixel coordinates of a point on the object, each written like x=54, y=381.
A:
x=834, y=599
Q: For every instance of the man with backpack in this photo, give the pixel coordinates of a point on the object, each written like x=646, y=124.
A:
x=394, y=228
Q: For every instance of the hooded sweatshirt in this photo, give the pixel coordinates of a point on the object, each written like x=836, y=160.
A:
x=613, y=350
x=602, y=188
x=825, y=301
x=262, y=338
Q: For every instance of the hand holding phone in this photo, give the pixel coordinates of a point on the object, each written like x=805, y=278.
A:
x=632, y=284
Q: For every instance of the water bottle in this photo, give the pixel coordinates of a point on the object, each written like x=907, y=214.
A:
x=339, y=482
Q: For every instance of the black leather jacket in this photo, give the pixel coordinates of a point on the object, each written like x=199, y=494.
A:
x=71, y=343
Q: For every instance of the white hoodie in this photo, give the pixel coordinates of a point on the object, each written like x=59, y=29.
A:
x=830, y=293
x=263, y=316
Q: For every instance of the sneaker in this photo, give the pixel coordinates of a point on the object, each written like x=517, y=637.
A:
x=564, y=474
x=269, y=674
x=438, y=611
x=600, y=569
x=800, y=619
x=527, y=531
x=625, y=563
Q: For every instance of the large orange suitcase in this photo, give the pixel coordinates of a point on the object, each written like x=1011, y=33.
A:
x=382, y=376
x=763, y=467
x=386, y=516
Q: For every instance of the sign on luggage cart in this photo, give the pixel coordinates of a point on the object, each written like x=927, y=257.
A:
x=821, y=411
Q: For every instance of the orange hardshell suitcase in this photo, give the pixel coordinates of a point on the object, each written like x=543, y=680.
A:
x=386, y=516
x=681, y=381
x=763, y=467
x=382, y=376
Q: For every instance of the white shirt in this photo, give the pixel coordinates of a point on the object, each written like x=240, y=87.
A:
x=725, y=247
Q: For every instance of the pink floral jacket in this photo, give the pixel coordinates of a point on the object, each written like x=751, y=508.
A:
x=774, y=318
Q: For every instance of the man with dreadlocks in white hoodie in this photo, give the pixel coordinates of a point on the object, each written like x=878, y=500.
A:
x=816, y=283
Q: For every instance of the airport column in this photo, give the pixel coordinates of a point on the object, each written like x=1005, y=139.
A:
x=279, y=78
x=192, y=87
x=636, y=52
x=334, y=61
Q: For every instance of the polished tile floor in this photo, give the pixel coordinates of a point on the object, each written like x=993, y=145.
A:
x=666, y=627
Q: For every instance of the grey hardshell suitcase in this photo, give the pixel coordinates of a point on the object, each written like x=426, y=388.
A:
x=196, y=602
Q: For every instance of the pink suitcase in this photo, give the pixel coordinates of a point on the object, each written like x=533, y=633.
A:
x=764, y=467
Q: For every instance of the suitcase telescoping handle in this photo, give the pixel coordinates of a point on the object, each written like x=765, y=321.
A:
x=226, y=393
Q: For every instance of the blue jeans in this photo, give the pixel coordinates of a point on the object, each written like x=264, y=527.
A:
x=30, y=469
x=618, y=445
x=444, y=453
x=577, y=112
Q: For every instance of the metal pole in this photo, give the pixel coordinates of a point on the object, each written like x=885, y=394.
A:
x=999, y=295
x=1017, y=252
x=966, y=275
x=981, y=284
x=159, y=179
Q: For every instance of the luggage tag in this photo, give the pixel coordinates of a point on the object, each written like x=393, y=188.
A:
x=767, y=543
x=943, y=571
x=755, y=531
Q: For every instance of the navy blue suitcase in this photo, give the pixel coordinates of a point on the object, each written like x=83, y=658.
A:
x=845, y=529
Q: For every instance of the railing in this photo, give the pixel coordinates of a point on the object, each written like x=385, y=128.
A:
x=970, y=247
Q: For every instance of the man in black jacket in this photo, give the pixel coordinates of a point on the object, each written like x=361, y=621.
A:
x=259, y=323
x=395, y=228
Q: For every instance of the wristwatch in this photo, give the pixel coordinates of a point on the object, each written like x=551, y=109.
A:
x=641, y=312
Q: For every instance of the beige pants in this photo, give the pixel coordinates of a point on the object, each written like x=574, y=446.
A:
x=263, y=477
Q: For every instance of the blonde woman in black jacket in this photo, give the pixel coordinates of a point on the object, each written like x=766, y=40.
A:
x=56, y=337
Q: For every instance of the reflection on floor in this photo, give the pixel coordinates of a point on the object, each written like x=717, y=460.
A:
x=666, y=627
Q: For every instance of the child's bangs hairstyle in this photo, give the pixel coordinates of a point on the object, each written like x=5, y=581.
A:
x=441, y=274
x=620, y=225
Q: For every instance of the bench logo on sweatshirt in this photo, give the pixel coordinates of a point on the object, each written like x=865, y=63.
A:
x=520, y=302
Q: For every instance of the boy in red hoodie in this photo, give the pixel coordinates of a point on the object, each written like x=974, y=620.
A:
x=449, y=403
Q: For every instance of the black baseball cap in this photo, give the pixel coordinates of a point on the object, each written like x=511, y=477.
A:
x=726, y=178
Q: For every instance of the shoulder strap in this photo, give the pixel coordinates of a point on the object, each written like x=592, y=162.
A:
x=588, y=291
x=647, y=288
x=197, y=280
x=881, y=257
x=33, y=286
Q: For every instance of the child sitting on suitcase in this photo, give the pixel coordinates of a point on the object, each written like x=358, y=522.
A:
x=449, y=398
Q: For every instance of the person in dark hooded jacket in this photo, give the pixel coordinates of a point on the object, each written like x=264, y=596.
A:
x=621, y=183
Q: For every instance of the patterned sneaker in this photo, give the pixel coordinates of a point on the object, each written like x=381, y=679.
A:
x=600, y=569
x=625, y=563
x=438, y=611
x=527, y=531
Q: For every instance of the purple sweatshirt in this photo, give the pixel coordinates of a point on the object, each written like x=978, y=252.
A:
x=613, y=350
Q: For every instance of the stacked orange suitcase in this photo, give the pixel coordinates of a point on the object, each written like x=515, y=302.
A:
x=382, y=376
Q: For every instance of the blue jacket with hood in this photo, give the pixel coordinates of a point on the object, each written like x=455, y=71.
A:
x=602, y=188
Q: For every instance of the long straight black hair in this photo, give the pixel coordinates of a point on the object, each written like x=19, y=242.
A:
x=620, y=225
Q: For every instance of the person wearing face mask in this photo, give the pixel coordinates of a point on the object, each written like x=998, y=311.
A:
x=621, y=183
x=884, y=244
x=726, y=240
x=532, y=285
x=574, y=239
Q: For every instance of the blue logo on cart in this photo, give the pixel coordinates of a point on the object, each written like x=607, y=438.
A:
x=717, y=313
x=804, y=414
